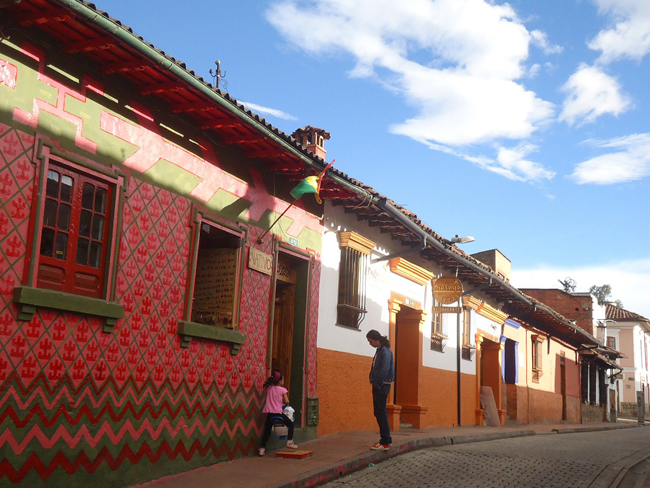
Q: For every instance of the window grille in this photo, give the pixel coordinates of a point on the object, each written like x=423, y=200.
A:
x=467, y=351
x=536, y=353
x=352, y=288
x=438, y=337
x=353, y=277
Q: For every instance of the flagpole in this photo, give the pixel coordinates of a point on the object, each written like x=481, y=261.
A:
x=261, y=238
x=320, y=179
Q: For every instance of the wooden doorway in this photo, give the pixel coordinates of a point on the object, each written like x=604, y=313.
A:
x=407, y=337
x=283, y=319
x=563, y=384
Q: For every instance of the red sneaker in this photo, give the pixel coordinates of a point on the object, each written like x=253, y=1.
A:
x=380, y=447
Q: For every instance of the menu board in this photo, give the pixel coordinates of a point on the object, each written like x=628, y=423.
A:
x=214, y=287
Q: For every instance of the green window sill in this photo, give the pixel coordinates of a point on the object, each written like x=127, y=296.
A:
x=187, y=330
x=29, y=299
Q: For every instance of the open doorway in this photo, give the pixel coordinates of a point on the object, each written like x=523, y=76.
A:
x=288, y=336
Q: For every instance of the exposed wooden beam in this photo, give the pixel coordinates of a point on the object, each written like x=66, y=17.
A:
x=192, y=107
x=242, y=138
x=167, y=86
x=134, y=65
x=89, y=45
x=44, y=16
x=271, y=153
x=340, y=195
x=220, y=124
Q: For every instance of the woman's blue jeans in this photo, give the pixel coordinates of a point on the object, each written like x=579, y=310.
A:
x=379, y=398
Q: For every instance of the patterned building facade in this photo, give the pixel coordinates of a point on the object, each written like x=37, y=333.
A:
x=138, y=291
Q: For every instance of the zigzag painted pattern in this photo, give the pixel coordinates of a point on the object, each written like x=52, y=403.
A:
x=131, y=405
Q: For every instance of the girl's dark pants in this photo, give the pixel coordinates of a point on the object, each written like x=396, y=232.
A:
x=268, y=426
x=379, y=398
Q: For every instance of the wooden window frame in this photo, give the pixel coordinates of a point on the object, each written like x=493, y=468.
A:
x=467, y=351
x=75, y=235
x=438, y=337
x=189, y=329
x=32, y=294
x=537, y=359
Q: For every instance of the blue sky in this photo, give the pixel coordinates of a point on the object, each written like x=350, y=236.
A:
x=523, y=124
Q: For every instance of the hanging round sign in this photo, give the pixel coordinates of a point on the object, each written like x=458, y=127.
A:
x=447, y=289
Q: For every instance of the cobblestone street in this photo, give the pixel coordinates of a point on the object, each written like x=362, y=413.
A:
x=569, y=460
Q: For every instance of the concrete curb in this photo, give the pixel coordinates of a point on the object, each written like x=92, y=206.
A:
x=348, y=466
x=573, y=430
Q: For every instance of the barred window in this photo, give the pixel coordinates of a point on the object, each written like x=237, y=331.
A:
x=536, y=354
x=593, y=380
x=436, y=320
x=584, y=381
x=602, y=386
x=467, y=330
x=353, y=272
x=438, y=337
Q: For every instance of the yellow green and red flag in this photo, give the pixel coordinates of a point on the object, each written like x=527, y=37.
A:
x=311, y=184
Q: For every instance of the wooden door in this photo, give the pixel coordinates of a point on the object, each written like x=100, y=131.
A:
x=283, y=321
x=563, y=385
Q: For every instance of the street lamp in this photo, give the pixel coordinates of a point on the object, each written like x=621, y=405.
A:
x=461, y=240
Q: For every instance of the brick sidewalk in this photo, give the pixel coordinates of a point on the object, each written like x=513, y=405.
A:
x=339, y=454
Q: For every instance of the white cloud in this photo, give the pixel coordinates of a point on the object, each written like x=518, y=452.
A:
x=628, y=280
x=271, y=111
x=629, y=36
x=509, y=162
x=540, y=39
x=631, y=162
x=512, y=163
x=465, y=93
x=591, y=93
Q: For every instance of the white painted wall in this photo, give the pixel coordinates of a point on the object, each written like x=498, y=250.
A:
x=379, y=286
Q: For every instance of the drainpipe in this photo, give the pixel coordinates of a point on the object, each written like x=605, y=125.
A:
x=458, y=378
x=132, y=41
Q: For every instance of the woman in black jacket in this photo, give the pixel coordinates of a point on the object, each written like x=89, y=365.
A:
x=382, y=374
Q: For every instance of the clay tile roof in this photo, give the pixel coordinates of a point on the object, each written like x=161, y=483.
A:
x=617, y=313
x=318, y=131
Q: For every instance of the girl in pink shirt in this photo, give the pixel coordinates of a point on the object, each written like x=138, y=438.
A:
x=276, y=394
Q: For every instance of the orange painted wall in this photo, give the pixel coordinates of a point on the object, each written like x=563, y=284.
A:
x=344, y=392
x=542, y=407
x=438, y=392
x=346, y=401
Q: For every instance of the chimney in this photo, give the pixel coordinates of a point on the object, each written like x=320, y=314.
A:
x=495, y=260
x=313, y=139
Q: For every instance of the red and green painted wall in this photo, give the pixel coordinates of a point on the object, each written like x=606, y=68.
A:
x=103, y=392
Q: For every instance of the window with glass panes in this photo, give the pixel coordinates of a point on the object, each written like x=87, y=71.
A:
x=74, y=233
x=611, y=342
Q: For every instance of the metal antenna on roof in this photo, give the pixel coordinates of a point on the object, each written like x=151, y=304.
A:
x=217, y=76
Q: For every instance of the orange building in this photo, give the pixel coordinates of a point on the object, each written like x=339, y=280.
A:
x=493, y=353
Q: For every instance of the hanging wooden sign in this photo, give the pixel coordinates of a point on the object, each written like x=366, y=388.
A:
x=446, y=310
x=447, y=289
x=260, y=261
